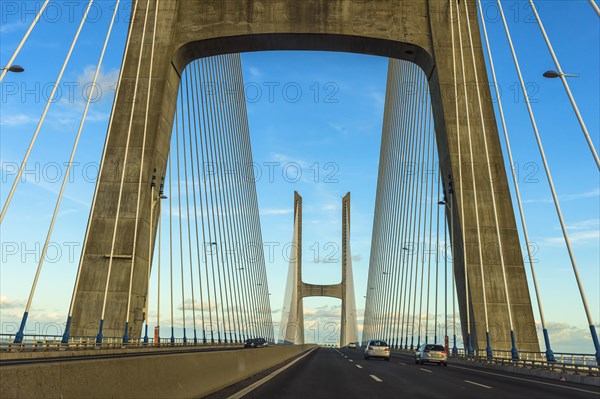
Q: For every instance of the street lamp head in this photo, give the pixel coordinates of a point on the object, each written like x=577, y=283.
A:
x=441, y=202
x=163, y=197
x=553, y=74
x=14, y=68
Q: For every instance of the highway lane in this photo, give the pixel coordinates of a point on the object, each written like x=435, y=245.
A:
x=344, y=373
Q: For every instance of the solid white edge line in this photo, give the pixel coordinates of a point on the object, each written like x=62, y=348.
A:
x=481, y=385
x=375, y=378
x=525, y=379
x=258, y=383
x=429, y=371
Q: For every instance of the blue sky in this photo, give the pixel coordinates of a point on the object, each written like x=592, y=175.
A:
x=331, y=133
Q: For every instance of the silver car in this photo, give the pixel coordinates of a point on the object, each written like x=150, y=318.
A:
x=432, y=354
x=377, y=348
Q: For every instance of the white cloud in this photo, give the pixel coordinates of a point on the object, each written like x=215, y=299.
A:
x=16, y=120
x=7, y=303
x=567, y=338
x=578, y=237
x=106, y=81
x=580, y=232
x=266, y=212
x=7, y=28
x=255, y=72
x=566, y=197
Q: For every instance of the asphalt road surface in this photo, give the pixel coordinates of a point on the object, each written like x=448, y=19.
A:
x=344, y=373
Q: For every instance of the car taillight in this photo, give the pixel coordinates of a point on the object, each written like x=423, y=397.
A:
x=444, y=353
x=369, y=348
x=426, y=351
x=386, y=349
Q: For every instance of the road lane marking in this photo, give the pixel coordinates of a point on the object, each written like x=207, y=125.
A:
x=351, y=360
x=525, y=379
x=258, y=383
x=375, y=378
x=404, y=364
x=359, y=366
x=429, y=371
x=480, y=385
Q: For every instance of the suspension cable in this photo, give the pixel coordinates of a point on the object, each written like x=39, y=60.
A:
x=431, y=201
x=171, y=230
x=139, y=195
x=424, y=181
x=187, y=198
x=563, y=78
x=191, y=78
x=20, y=333
x=595, y=6
x=178, y=162
x=437, y=255
x=205, y=162
x=399, y=176
x=470, y=350
x=24, y=39
x=411, y=230
x=387, y=208
x=157, y=328
x=515, y=353
x=122, y=181
x=228, y=211
x=220, y=182
x=198, y=80
x=43, y=117
x=66, y=334
x=419, y=199
x=402, y=139
x=552, y=189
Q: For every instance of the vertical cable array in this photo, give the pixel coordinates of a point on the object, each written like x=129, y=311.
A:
x=403, y=223
x=223, y=230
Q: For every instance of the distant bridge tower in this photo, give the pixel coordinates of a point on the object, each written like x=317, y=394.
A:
x=292, y=318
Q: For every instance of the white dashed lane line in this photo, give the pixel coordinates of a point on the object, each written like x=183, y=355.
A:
x=404, y=364
x=479, y=385
x=359, y=366
x=429, y=371
x=351, y=360
x=375, y=378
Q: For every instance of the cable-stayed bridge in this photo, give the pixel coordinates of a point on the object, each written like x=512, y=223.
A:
x=175, y=200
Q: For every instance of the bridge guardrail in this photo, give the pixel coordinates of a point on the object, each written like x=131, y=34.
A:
x=40, y=343
x=566, y=363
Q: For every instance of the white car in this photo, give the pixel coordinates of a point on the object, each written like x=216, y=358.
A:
x=352, y=345
x=377, y=348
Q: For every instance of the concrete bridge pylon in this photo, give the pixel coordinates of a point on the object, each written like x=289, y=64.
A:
x=292, y=317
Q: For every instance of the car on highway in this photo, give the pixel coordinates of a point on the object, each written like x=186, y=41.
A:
x=255, y=343
x=377, y=348
x=352, y=345
x=430, y=353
